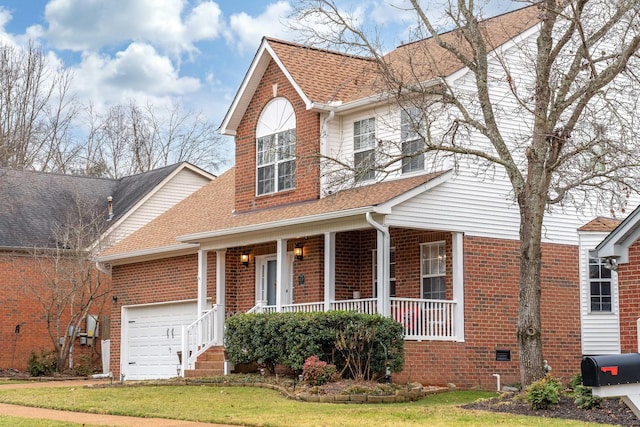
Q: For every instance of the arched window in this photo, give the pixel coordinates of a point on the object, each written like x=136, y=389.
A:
x=276, y=148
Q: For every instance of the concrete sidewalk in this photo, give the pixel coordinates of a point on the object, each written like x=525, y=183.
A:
x=83, y=417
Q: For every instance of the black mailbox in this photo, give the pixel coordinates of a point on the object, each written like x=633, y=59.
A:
x=611, y=369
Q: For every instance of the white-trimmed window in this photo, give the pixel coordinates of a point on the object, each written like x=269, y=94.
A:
x=392, y=272
x=276, y=148
x=433, y=269
x=599, y=284
x=412, y=144
x=364, y=144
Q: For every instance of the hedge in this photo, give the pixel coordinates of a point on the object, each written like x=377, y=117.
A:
x=288, y=339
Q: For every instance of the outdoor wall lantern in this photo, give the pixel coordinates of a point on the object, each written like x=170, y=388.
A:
x=297, y=252
x=244, y=259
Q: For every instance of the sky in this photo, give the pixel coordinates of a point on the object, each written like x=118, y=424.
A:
x=195, y=52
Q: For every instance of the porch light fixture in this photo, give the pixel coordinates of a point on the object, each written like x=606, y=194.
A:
x=297, y=252
x=244, y=259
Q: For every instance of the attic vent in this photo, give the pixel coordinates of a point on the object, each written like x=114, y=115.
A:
x=503, y=355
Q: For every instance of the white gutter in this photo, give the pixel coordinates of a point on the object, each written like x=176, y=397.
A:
x=103, y=268
x=196, y=237
x=384, y=248
x=147, y=252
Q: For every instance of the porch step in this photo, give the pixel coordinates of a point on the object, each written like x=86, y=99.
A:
x=209, y=364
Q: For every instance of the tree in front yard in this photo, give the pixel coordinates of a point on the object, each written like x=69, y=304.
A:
x=64, y=280
x=569, y=91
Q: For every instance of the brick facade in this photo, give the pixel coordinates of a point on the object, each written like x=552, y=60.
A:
x=629, y=299
x=307, y=145
x=19, y=274
x=491, y=298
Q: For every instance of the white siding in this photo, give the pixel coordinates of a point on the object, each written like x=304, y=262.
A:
x=177, y=189
x=600, y=331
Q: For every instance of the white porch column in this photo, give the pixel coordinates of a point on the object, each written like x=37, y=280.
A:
x=202, y=283
x=457, y=250
x=281, y=272
x=221, y=285
x=383, y=246
x=329, y=269
x=383, y=249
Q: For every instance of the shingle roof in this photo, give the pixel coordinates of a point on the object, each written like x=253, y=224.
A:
x=326, y=76
x=210, y=210
x=34, y=202
x=601, y=224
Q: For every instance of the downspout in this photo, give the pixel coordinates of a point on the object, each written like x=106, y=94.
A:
x=324, y=145
x=383, y=246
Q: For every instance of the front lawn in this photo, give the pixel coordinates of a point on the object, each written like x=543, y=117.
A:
x=261, y=407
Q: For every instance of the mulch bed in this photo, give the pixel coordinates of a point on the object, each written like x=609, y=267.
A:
x=613, y=410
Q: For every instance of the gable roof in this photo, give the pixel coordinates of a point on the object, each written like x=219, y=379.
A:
x=329, y=80
x=34, y=202
x=601, y=224
x=616, y=244
x=189, y=222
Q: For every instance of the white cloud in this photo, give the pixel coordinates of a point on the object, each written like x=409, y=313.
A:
x=247, y=31
x=138, y=72
x=89, y=25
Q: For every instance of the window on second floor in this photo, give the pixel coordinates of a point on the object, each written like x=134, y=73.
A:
x=364, y=144
x=599, y=284
x=412, y=143
x=276, y=148
x=433, y=270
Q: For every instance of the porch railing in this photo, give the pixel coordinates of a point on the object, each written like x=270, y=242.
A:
x=198, y=337
x=365, y=305
x=422, y=319
x=425, y=319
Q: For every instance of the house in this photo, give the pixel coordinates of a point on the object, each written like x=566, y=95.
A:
x=619, y=250
x=34, y=206
x=433, y=247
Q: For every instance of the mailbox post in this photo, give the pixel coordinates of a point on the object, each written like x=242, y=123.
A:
x=614, y=375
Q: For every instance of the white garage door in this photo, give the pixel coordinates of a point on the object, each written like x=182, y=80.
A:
x=153, y=338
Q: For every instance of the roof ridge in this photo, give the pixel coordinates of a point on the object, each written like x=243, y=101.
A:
x=9, y=169
x=318, y=49
x=484, y=21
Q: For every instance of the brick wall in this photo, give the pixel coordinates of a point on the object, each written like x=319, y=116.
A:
x=307, y=145
x=19, y=278
x=491, y=298
x=629, y=299
x=161, y=280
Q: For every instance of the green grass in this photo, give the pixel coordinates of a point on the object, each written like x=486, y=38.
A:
x=26, y=422
x=261, y=407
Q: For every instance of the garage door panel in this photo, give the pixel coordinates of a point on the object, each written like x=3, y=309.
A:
x=154, y=336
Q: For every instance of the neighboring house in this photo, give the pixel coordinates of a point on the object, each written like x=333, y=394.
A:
x=620, y=251
x=33, y=205
x=432, y=247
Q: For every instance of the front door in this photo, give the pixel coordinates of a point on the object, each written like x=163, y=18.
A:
x=267, y=286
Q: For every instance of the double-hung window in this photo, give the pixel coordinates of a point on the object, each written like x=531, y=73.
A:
x=412, y=144
x=599, y=284
x=276, y=148
x=433, y=270
x=364, y=144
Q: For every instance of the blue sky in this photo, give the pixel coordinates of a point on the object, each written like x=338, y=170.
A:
x=153, y=51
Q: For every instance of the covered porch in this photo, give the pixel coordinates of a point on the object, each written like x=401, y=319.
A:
x=421, y=283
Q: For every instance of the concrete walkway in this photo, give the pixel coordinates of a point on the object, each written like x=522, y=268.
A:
x=83, y=417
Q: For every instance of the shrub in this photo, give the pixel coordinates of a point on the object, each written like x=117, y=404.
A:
x=544, y=393
x=288, y=339
x=575, y=382
x=584, y=398
x=44, y=364
x=318, y=372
